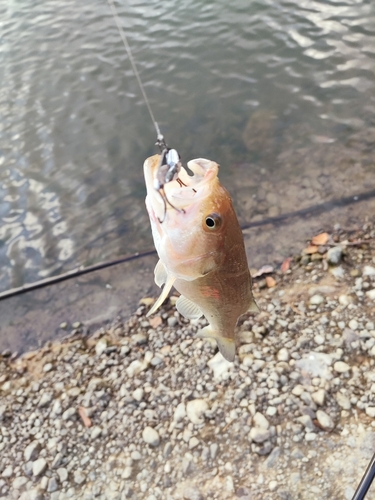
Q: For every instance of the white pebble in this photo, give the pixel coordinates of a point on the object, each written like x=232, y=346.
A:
x=341, y=367
x=195, y=410
x=150, y=436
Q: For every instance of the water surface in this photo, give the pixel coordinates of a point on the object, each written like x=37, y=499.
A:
x=280, y=93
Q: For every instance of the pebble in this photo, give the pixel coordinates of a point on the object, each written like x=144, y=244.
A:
x=370, y=411
x=259, y=435
x=79, y=477
x=62, y=473
x=343, y=401
x=45, y=399
x=7, y=472
x=150, y=436
x=69, y=413
x=95, y=432
x=283, y=354
x=371, y=294
x=334, y=255
x=47, y=367
x=180, y=412
x=31, y=451
x=219, y=365
x=19, y=482
x=319, y=397
x=316, y=300
x=39, y=466
x=101, y=346
x=353, y=324
x=341, y=367
x=260, y=421
x=195, y=410
x=325, y=420
x=52, y=485
x=368, y=271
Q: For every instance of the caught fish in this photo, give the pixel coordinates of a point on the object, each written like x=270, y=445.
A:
x=201, y=249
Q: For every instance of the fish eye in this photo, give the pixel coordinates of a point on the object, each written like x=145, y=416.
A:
x=213, y=221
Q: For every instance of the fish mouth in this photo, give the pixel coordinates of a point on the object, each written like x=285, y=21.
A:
x=182, y=192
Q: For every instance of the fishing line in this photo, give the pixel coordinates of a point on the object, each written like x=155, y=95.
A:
x=116, y=17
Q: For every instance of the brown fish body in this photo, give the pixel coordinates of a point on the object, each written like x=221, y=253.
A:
x=201, y=251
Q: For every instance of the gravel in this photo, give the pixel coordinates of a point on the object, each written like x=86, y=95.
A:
x=144, y=410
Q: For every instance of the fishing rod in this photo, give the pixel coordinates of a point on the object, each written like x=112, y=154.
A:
x=366, y=481
x=279, y=219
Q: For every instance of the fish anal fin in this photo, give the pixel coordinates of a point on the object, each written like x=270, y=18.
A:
x=187, y=308
x=164, y=294
x=253, y=306
x=160, y=274
x=227, y=346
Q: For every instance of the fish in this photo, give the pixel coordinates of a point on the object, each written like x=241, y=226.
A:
x=201, y=249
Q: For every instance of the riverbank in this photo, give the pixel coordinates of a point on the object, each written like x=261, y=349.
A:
x=143, y=410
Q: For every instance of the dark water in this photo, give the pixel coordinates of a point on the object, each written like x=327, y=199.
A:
x=280, y=93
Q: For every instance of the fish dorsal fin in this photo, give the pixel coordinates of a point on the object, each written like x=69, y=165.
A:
x=160, y=274
x=164, y=294
x=227, y=346
x=187, y=308
x=253, y=306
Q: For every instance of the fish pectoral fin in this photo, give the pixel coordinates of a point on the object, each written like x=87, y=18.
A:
x=253, y=306
x=227, y=346
x=164, y=294
x=160, y=274
x=187, y=308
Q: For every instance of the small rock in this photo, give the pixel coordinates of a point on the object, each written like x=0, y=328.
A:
x=310, y=436
x=32, y=451
x=219, y=365
x=214, y=448
x=316, y=300
x=79, y=477
x=63, y=325
x=192, y=493
x=180, y=412
x=47, y=367
x=368, y=271
x=283, y=354
x=325, y=420
x=68, y=414
x=307, y=422
x=150, y=436
x=341, y=367
x=319, y=396
x=101, y=346
x=187, y=464
x=76, y=324
x=45, y=399
x=272, y=485
x=370, y=411
x=334, y=255
x=95, y=432
x=353, y=324
x=127, y=472
x=7, y=472
x=193, y=442
x=138, y=394
x=260, y=421
x=19, y=482
x=52, y=485
x=195, y=410
x=259, y=435
x=345, y=300
x=39, y=466
x=139, y=339
x=172, y=321
x=63, y=474
x=343, y=401
x=371, y=294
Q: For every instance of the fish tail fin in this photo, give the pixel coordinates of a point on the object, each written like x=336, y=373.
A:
x=227, y=346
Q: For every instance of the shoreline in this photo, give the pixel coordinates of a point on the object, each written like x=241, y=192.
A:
x=143, y=410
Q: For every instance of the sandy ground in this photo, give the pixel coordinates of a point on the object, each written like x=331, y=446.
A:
x=143, y=410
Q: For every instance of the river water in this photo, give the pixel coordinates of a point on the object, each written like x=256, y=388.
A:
x=280, y=93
